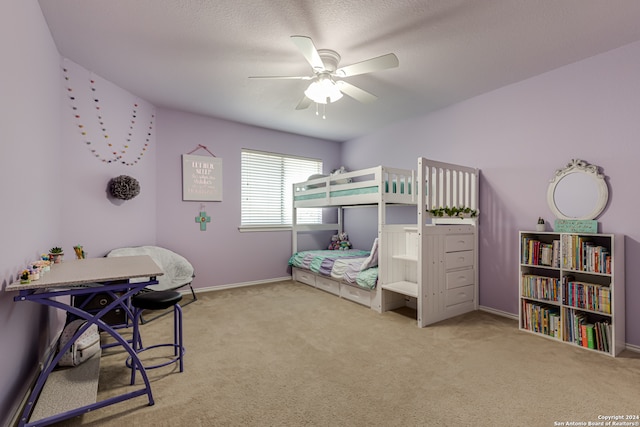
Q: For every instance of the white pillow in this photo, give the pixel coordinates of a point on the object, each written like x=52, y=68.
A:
x=314, y=176
x=372, y=259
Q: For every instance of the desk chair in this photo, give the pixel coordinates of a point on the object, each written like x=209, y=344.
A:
x=178, y=272
x=157, y=300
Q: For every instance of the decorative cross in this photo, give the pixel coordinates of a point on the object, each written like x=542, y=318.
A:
x=203, y=219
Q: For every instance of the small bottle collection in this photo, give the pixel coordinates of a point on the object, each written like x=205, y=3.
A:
x=36, y=269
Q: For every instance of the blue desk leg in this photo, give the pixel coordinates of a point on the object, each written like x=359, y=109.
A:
x=46, y=298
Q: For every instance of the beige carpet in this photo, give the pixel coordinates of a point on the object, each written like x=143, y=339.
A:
x=285, y=354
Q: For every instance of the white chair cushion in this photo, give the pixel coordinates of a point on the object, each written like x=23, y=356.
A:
x=177, y=270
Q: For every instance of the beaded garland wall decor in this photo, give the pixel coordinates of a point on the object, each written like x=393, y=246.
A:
x=118, y=150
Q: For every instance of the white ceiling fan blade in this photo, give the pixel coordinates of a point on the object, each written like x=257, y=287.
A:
x=374, y=64
x=304, y=103
x=355, y=92
x=309, y=51
x=283, y=77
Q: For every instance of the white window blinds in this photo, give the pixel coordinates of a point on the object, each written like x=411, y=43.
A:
x=267, y=180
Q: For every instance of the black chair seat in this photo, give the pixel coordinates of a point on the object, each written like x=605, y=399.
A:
x=156, y=300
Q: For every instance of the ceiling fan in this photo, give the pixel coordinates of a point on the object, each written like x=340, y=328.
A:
x=326, y=82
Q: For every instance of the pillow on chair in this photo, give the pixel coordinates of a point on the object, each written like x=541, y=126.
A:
x=177, y=270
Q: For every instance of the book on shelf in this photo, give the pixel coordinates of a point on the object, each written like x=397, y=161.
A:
x=588, y=296
x=579, y=253
x=578, y=330
x=583, y=335
x=579, y=319
x=590, y=337
x=556, y=254
x=606, y=333
x=546, y=254
x=601, y=336
x=541, y=287
x=597, y=332
x=541, y=319
x=567, y=325
x=535, y=252
x=555, y=324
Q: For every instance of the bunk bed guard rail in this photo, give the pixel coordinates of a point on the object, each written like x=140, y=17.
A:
x=448, y=185
x=358, y=187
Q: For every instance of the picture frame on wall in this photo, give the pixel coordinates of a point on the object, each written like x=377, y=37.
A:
x=201, y=178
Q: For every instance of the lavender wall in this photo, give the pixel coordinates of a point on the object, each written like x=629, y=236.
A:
x=53, y=188
x=54, y=191
x=518, y=136
x=90, y=216
x=30, y=142
x=222, y=255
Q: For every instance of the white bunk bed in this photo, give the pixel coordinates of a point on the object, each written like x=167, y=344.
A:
x=430, y=265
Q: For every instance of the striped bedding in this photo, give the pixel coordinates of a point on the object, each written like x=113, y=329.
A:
x=339, y=265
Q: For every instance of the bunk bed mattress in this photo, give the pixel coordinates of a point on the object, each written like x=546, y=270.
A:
x=339, y=265
x=339, y=193
x=353, y=192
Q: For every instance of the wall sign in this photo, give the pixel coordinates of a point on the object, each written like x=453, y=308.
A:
x=576, y=226
x=201, y=178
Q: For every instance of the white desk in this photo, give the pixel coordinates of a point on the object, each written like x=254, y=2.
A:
x=87, y=277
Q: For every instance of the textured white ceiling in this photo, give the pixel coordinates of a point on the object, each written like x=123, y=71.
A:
x=197, y=55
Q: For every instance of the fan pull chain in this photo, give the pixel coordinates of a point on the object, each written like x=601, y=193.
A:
x=324, y=116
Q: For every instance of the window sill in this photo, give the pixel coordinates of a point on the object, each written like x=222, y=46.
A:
x=260, y=228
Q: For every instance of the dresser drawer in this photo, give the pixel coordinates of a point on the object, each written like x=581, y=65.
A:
x=458, y=242
x=458, y=259
x=458, y=278
x=361, y=296
x=304, y=276
x=328, y=285
x=459, y=295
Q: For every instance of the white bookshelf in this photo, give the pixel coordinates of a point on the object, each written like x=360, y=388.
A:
x=405, y=264
x=571, y=286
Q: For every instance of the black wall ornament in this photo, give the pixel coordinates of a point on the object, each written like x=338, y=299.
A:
x=124, y=187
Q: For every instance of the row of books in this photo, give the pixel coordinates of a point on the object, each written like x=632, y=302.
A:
x=541, y=287
x=579, y=330
x=541, y=319
x=535, y=252
x=586, y=295
x=578, y=253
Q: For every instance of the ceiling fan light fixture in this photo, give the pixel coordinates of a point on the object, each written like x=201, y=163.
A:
x=323, y=91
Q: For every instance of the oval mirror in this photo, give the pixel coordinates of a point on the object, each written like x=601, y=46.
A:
x=579, y=191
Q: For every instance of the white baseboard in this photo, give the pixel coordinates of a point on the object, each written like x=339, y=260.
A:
x=498, y=312
x=629, y=347
x=238, y=285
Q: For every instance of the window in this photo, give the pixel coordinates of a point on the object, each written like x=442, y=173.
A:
x=267, y=181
